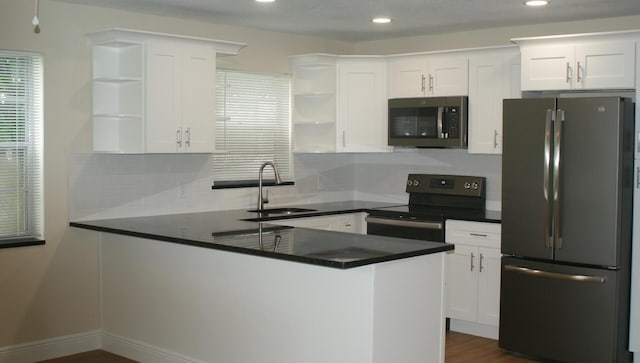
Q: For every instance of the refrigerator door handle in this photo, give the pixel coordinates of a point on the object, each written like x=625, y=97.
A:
x=555, y=275
x=440, y=121
x=545, y=181
x=557, y=142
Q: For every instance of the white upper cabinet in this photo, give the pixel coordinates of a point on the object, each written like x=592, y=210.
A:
x=427, y=75
x=362, y=105
x=493, y=76
x=339, y=104
x=154, y=93
x=583, y=62
x=180, y=97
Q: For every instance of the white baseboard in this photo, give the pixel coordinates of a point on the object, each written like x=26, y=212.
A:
x=467, y=327
x=50, y=348
x=142, y=352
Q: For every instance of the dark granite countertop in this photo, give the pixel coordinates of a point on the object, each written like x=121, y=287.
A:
x=249, y=232
x=239, y=231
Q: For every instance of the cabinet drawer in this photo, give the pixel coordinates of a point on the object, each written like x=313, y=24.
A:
x=480, y=234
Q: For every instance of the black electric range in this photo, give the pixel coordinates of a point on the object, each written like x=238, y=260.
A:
x=432, y=200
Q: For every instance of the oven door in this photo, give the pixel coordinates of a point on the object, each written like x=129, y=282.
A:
x=404, y=228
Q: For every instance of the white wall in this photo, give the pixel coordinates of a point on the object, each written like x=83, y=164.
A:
x=52, y=290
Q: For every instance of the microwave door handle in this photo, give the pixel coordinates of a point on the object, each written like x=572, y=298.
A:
x=440, y=120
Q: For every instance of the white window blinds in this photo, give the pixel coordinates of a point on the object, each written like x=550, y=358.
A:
x=253, y=125
x=20, y=145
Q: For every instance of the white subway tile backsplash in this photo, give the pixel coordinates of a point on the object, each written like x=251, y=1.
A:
x=109, y=186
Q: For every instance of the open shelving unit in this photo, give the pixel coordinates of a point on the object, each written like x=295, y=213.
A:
x=314, y=103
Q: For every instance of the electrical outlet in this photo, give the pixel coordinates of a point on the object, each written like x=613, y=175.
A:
x=182, y=190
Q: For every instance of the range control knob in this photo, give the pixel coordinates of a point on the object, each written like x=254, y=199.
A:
x=410, y=182
x=416, y=183
x=474, y=186
x=467, y=185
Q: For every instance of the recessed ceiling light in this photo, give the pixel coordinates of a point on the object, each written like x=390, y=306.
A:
x=536, y=2
x=381, y=20
x=265, y=1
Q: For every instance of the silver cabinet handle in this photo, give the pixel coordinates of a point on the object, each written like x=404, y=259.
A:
x=423, y=83
x=344, y=138
x=478, y=234
x=430, y=83
x=472, y=256
x=638, y=142
x=638, y=177
x=578, y=79
x=179, y=137
x=481, y=258
x=187, y=133
x=568, y=75
x=495, y=139
x=555, y=275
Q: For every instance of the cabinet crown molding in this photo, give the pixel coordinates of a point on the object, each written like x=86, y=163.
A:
x=111, y=35
x=579, y=37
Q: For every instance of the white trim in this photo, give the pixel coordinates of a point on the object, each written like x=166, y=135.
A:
x=51, y=348
x=141, y=351
x=477, y=329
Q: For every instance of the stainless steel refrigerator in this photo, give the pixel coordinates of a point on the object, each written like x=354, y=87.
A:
x=566, y=228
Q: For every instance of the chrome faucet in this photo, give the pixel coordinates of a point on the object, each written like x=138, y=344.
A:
x=265, y=199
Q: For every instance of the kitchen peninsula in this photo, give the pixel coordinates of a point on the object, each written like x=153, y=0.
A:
x=228, y=286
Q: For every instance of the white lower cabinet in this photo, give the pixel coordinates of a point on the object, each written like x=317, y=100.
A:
x=352, y=222
x=472, y=279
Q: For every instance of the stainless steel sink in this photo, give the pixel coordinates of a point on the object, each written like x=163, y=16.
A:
x=280, y=210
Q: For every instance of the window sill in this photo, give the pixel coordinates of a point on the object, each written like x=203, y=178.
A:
x=20, y=242
x=247, y=184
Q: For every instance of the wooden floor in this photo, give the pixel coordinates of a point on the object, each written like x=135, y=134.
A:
x=460, y=348
x=94, y=356
x=463, y=348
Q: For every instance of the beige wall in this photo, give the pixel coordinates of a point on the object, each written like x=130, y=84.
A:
x=52, y=290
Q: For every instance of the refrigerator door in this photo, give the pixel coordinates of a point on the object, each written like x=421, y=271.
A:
x=590, y=178
x=526, y=177
x=560, y=312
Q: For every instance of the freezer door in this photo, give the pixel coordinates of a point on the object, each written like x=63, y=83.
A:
x=561, y=312
x=590, y=181
x=527, y=142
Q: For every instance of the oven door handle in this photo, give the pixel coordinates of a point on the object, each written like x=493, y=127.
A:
x=404, y=223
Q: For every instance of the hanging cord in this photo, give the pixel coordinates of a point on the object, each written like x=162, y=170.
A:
x=36, y=21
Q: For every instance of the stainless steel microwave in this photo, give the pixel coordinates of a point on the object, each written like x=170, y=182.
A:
x=438, y=122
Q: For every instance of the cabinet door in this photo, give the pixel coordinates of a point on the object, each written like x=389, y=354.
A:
x=547, y=67
x=163, y=109
x=462, y=283
x=362, y=106
x=485, y=105
x=407, y=77
x=492, y=78
x=448, y=76
x=605, y=65
x=488, y=286
x=198, y=99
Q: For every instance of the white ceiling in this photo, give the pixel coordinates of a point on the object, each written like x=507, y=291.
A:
x=350, y=20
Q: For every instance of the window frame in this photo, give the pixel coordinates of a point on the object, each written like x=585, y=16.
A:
x=27, y=140
x=251, y=180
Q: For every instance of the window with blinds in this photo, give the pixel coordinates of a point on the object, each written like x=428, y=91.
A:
x=20, y=147
x=253, y=126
